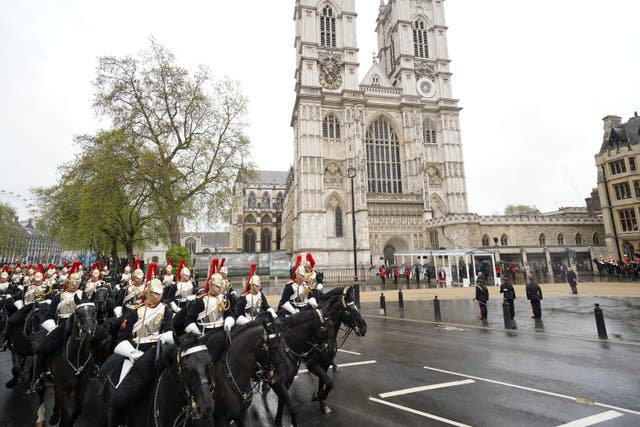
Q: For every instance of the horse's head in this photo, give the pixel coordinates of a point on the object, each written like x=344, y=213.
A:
x=348, y=313
x=84, y=323
x=101, y=296
x=195, y=372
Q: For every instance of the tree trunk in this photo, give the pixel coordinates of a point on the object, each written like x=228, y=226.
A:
x=115, y=268
x=174, y=230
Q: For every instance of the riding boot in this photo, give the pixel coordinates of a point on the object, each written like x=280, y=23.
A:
x=40, y=361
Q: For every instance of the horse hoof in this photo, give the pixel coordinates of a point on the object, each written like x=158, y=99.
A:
x=11, y=383
x=335, y=368
x=40, y=424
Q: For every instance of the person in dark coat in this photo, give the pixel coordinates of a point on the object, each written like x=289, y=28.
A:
x=509, y=294
x=572, y=278
x=534, y=295
x=482, y=297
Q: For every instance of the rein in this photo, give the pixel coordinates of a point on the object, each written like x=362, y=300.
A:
x=78, y=368
x=313, y=353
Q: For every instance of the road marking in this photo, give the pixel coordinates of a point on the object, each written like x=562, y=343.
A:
x=535, y=390
x=350, y=352
x=422, y=414
x=515, y=331
x=424, y=388
x=344, y=365
x=594, y=419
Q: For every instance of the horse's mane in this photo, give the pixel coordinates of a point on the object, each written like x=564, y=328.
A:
x=298, y=318
x=187, y=341
x=335, y=292
x=242, y=328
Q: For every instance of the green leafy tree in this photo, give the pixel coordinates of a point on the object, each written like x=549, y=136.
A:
x=187, y=132
x=521, y=210
x=176, y=253
x=97, y=201
x=13, y=238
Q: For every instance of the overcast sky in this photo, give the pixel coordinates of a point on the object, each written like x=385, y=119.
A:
x=534, y=79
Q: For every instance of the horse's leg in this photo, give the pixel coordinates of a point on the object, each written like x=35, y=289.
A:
x=323, y=377
x=284, y=399
x=81, y=390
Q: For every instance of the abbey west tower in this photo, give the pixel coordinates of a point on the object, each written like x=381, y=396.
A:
x=398, y=127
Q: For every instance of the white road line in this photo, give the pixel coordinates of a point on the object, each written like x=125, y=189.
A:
x=350, y=352
x=344, y=365
x=422, y=414
x=594, y=419
x=424, y=388
x=535, y=390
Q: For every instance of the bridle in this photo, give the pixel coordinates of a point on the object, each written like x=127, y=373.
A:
x=315, y=349
x=190, y=410
x=78, y=368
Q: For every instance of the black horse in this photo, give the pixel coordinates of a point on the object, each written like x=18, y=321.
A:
x=73, y=365
x=101, y=298
x=234, y=372
x=4, y=316
x=183, y=392
x=339, y=306
x=299, y=337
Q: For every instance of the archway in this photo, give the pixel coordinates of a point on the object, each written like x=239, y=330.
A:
x=389, y=254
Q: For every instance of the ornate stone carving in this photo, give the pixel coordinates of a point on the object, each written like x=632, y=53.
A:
x=435, y=178
x=333, y=176
x=330, y=62
x=424, y=69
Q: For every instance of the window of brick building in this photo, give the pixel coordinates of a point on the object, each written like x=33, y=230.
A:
x=628, y=219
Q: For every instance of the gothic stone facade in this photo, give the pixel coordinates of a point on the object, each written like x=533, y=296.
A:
x=398, y=127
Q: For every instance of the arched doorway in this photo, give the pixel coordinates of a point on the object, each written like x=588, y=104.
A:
x=265, y=240
x=250, y=241
x=389, y=254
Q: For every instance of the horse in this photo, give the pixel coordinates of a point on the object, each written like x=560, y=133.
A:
x=298, y=337
x=183, y=392
x=339, y=306
x=72, y=367
x=233, y=373
x=4, y=316
x=101, y=299
x=21, y=348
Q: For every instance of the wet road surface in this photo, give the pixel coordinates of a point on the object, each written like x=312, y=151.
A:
x=414, y=372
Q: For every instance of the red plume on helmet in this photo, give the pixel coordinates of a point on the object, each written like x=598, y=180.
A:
x=128, y=264
x=310, y=259
x=169, y=263
x=39, y=270
x=5, y=269
x=66, y=264
x=74, y=267
x=180, y=266
x=252, y=270
x=212, y=270
x=138, y=264
x=221, y=264
x=152, y=273
x=298, y=261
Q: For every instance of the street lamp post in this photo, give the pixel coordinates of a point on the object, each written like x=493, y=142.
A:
x=351, y=174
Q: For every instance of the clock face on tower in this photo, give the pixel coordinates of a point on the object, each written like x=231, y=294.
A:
x=330, y=80
x=426, y=87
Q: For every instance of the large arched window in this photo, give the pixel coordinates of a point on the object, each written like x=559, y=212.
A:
x=266, y=219
x=265, y=240
x=542, y=240
x=578, y=239
x=250, y=241
x=266, y=200
x=190, y=243
x=251, y=202
x=327, y=28
x=596, y=239
x=250, y=218
x=560, y=239
x=279, y=200
x=428, y=132
x=485, y=240
x=338, y=222
x=504, y=240
x=420, y=43
x=383, y=158
x=330, y=127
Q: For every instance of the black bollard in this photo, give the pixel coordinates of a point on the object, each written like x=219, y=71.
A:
x=400, y=298
x=506, y=313
x=383, y=305
x=436, y=309
x=602, y=329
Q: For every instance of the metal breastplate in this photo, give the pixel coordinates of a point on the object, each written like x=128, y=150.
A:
x=30, y=295
x=212, y=316
x=133, y=296
x=167, y=280
x=253, y=306
x=67, y=305
x=147, y=328
x=4, y=287
x=299, y=297
x=90, y=288
x=183, y=290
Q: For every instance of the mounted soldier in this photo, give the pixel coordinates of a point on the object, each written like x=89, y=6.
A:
x=140, y=331
x=210, y=314
x=179, y=293
x=252, y=302
x=64, y=273
x=130, y=295
x=167, y=277
x=17, y=277
x=61, y=309
x=227, y=286
x=125, y=277
x=94, y=280
x=302, y=292
x=105, y=275
x=10, y=294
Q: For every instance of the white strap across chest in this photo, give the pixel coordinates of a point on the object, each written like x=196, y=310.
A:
x=150, y=316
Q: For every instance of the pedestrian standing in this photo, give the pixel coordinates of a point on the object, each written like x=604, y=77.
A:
x=383, y=275
x=429, y=277
x=407, y=274
x=534, y=295
x=395, y=275
x=509, y=294
x=482, y=297
x=442, y=277
x=417, y=273
x=572, y=278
